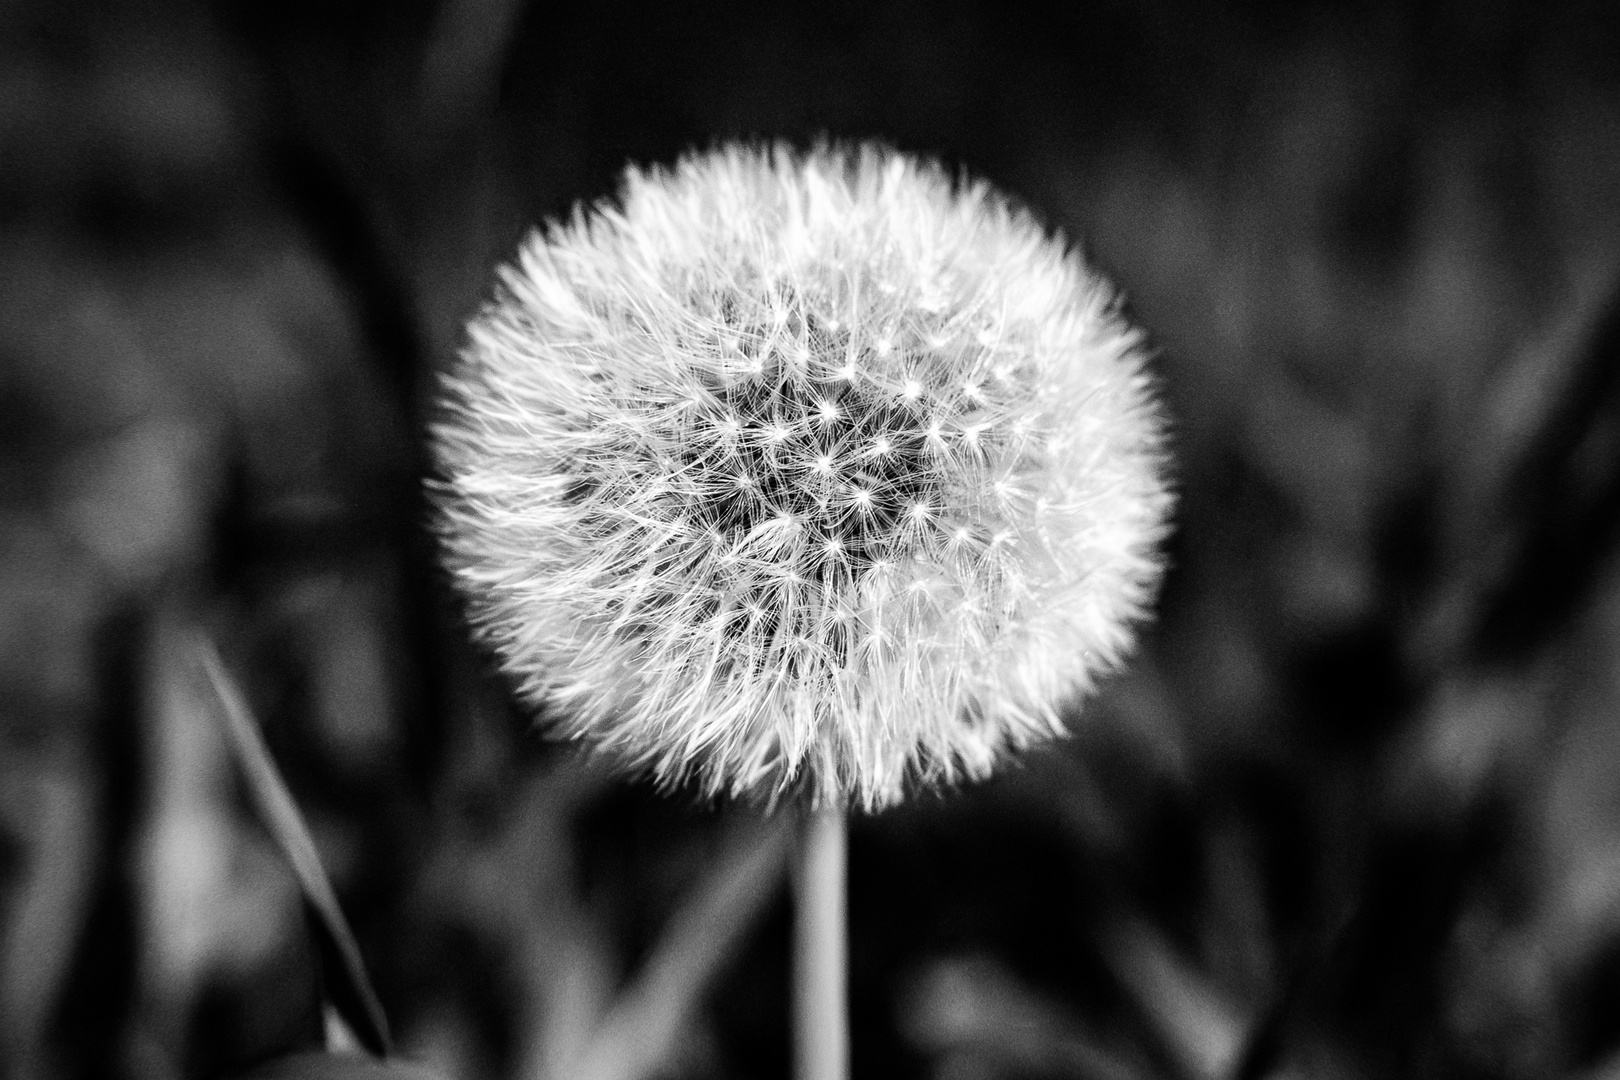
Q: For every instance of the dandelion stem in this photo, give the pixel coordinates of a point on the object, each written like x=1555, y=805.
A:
x=820, y=950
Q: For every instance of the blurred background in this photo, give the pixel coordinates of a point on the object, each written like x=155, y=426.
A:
x=1354, y=810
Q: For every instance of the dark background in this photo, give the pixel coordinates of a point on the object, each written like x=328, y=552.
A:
x=1354, y=810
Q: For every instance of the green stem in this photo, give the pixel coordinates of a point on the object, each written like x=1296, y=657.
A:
x=820, y=950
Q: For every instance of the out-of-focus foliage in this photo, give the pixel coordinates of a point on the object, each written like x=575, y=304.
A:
x=1352, y=812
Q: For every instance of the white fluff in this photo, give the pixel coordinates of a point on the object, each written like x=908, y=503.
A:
x=811, y=472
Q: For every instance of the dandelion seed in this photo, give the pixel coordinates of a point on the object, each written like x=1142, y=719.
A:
x=730, y=538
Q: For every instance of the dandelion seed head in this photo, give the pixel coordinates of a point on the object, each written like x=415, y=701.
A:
x=816, y=471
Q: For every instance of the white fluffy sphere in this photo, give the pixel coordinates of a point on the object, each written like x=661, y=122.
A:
x=813, y=472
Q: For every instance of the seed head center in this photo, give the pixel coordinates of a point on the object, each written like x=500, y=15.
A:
x=841, y=459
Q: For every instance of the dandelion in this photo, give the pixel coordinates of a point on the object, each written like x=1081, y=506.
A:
x=808, y=472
